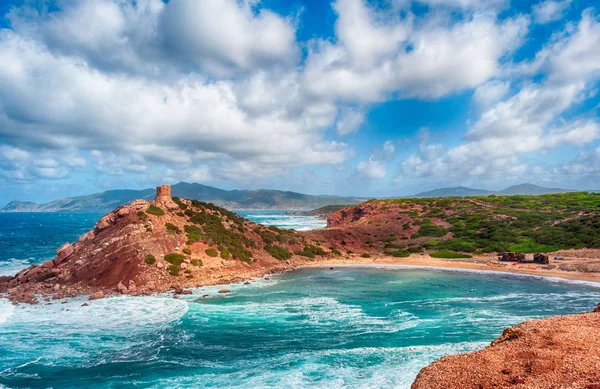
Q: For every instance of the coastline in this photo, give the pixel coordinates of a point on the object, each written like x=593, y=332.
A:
x=426, y=261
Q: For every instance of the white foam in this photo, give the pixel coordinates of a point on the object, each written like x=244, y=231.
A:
x=116, y=313
x=6, y=310
x=12, y=266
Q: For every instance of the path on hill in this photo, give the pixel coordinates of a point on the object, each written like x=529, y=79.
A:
x=498, y=206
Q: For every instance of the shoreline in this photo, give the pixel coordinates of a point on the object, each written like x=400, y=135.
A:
x=415, y=261
x=426, y=261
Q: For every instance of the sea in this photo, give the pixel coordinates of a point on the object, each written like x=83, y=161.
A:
x=346, y=327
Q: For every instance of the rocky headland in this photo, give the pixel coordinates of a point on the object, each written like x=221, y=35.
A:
x=558, y=352
x=166, y=244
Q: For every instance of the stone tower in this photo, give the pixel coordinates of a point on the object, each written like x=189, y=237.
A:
x=163, y=192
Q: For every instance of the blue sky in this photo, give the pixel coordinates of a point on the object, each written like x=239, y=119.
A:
x=349, y=97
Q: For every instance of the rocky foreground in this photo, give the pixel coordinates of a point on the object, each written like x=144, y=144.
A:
x=560, y=352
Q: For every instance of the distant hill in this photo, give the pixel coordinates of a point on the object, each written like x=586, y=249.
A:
x=521, y=189
x=231, y=199
x=530, y=189
x=459, y=191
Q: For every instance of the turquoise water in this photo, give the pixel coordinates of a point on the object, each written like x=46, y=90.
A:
x=311, y=328
x=27, y=238
x=279, y=219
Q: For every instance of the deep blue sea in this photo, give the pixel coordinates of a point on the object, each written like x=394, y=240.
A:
x=351, y=327
x=27, y=238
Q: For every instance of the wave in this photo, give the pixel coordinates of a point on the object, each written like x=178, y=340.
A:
x=123, y=313
x=12, y=266
x=353, y=368
x=6, y=310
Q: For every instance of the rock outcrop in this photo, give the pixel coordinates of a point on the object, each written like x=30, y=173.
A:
x=143, y=247
x=558, y=352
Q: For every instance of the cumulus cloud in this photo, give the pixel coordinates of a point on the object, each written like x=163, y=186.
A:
x=371, y=169
x=424, y=60
x=349, y=121
x=222, y=89
x=527, y=121
x=550, y=10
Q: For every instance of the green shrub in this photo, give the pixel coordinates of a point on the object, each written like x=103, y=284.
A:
x=336, y=251
x=224, y=253
x=449, y=254
x=365, y=255
x=178, y=201
x=173, y=270
x=172, y=229
x=431, y=244
x=194, y=234
x=429, y=229
x=350, y=252
x=406, y=226
x=196, y=262
x=142, y=215
x=399, y=253
x=392, y=246
x=154, y=210
x=187, y=251
x=175, y=258
x=187, y=271
x=150, y=260
x=310, y=251
x=278, y=252
x=211, y=252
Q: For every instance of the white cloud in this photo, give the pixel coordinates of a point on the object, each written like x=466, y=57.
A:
x=388, y=149
x=490, y=93
x=429, y=59
x=226, y=35
x=550, y=10
x=77, y=106
x=349, y=121
x=371, y=169
x=530, y=120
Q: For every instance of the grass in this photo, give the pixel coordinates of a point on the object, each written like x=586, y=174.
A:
x=196, y=262
x=449, y=254
x=154, y=210
x=187, y=251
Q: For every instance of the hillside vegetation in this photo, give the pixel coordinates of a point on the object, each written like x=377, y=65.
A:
x=474, y=225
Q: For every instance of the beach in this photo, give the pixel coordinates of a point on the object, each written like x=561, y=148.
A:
x=487, y=264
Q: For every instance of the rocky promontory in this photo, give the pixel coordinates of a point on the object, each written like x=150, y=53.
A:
x=558, y=352
x=153, y=246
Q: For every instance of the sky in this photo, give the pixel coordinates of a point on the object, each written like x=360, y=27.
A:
x=349, y=97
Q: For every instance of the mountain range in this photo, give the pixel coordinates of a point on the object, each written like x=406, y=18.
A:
x=231, y=199
x=245, y=199
x=521, y=189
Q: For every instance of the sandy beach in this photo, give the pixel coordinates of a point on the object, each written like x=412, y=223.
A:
x=591, y=274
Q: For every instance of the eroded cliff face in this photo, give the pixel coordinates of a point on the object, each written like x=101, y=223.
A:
x=128, y=252
x=559, y=352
